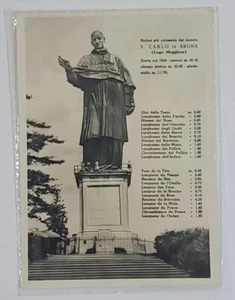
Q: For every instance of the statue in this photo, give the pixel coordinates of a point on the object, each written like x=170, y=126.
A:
x=108, y=98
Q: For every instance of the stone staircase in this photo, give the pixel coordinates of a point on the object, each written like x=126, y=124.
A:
x=93, y=266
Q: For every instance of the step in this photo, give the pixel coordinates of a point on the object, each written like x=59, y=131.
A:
x=97, y=263
x=72, y=267
x=107, y=276
x=114, y=266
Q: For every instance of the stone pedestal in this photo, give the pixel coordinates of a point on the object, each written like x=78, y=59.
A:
x=103, y=209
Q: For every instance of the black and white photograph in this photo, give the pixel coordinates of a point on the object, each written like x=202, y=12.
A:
x=117, y=142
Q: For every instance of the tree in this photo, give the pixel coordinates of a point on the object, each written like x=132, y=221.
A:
x=186, y=249
x=41, y=186
x=57, y=216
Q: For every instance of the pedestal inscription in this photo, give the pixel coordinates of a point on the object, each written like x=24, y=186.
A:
x=103, y=205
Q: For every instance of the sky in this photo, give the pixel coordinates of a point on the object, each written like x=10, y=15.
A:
x=60, y=105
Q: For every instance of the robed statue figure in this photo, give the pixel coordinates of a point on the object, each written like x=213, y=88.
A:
x=108, y=98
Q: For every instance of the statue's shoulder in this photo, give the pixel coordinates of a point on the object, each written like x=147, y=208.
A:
x=116, y=58
x=85, y=61
x=85, y=58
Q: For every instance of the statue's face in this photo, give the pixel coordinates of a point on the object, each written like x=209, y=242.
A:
x=98, y=42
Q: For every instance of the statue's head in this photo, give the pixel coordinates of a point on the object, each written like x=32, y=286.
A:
x=97, y=39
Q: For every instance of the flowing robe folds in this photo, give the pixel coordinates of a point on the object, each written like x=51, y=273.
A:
x=108, y=98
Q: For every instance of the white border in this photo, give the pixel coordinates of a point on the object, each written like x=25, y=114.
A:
x=9, y=257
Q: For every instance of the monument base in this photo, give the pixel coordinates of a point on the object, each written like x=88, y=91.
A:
x=105, y=242
x=104, y=211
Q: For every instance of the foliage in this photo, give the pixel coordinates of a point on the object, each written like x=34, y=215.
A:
x=37, y=247
x=57, y=216
x=41, y=186
x=186, y=249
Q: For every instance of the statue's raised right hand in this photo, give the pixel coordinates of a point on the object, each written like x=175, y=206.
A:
x=64, y=63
